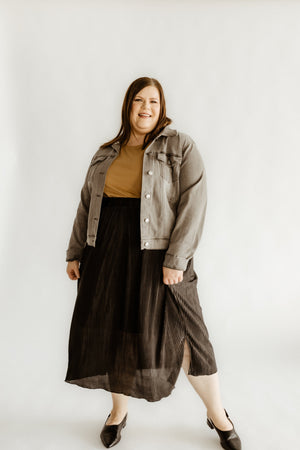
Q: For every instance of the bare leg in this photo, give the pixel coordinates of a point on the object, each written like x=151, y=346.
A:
x=208, y=389
x=120, y=402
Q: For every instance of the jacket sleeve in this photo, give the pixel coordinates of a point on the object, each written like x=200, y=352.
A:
x=191, y=210
x=79, y=232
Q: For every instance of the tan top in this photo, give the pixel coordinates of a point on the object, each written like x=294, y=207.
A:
x=124, y=175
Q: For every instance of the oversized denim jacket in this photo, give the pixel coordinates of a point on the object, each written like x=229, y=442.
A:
x=173, y=199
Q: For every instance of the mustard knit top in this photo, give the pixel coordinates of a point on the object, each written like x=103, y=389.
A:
x=124, y=175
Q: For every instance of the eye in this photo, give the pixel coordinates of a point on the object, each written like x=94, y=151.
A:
x=154, y=101
x=137, y=99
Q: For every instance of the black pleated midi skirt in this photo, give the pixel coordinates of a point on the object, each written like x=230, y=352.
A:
x=128, y=328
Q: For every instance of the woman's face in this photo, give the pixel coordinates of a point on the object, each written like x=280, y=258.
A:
x=146, y=102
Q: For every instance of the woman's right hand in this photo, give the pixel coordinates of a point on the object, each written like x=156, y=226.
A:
x=73, y=270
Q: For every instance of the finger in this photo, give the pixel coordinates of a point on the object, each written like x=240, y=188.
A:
x=72, y=275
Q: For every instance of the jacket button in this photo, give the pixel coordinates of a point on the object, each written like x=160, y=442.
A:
x=150, y=172
x=147, y=219
x=147, y=195
x=147, y=244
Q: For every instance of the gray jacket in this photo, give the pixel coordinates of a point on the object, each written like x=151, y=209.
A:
x=173, y=198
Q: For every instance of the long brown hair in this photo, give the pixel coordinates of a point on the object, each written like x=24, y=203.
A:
x=125, y=130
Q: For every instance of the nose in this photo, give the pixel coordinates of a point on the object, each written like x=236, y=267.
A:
x=146, y=105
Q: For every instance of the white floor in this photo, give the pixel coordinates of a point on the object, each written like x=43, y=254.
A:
x=260, y=394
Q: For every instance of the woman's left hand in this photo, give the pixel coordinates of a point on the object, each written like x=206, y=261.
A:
x=172, y=276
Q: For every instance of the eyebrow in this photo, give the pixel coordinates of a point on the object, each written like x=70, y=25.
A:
x=152, y=98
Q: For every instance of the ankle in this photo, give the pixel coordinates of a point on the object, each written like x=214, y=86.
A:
x=215, y=412
x=115, y=413
x=220, y=420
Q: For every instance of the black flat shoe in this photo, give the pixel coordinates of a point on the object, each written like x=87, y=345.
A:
x=229, y=439
x=111, y=434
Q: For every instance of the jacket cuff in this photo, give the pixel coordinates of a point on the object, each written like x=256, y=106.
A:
x=73, y=256
x=175, y=262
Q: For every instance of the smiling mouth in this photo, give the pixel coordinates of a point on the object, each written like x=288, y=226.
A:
x=144, y=115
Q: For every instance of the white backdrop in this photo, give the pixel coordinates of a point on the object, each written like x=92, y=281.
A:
x=230, y=71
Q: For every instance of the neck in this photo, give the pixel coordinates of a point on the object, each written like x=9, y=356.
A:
x=136, y=139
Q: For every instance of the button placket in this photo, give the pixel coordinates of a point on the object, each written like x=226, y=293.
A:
x=147, y=195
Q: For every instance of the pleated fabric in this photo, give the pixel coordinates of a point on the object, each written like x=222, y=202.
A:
x=128, y=327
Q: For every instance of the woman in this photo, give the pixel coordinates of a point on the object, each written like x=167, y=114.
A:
x=137, y=318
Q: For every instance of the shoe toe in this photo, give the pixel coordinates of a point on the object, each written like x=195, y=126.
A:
x=111, y=434
x=232, y=444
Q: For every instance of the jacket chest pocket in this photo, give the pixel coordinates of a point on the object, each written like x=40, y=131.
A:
x=100, y=159
x=102, y=162
x=169, y=166
x=98, y=169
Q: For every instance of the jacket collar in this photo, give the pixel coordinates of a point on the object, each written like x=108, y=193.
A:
x=166, y=131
